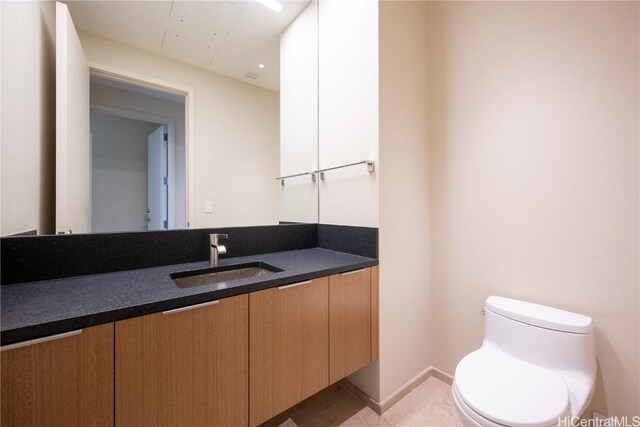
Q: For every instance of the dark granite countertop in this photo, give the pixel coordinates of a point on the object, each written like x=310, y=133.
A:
x=37, y=309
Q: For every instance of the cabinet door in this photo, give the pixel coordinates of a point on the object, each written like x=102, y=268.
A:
x=184, y=367
x=289, y=346
x=63, y=380
x=349, y=322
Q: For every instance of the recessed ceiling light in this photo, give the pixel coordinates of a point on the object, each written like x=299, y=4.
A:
x=260, y=65
x=271, y=4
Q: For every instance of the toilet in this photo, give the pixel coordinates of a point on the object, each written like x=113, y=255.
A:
x=536, y=366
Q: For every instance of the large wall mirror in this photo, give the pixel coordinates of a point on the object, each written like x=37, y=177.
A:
x=180, y=114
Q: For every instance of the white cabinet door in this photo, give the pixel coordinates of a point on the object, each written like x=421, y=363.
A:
x=73, y=141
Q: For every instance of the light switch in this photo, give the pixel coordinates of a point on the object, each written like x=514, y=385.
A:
x=208, y=206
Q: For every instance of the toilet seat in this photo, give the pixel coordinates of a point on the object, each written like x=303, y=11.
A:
x=469, y=417
x=507, y=391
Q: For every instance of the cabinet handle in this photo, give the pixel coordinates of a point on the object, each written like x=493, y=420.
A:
x=190, y=307
x=41, y=340
x=306, y=282
x=352, y=272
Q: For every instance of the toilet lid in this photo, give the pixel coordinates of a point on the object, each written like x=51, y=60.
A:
x=509, y=391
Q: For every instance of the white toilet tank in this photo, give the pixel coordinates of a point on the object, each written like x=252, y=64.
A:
x=547, y=337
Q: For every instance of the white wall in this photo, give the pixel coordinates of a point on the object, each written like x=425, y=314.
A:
x=109, y=96
x=533, y=129
x=236, y=141
x=299, y=116
x=348, y=110
x=119, y=173
x=27, y=147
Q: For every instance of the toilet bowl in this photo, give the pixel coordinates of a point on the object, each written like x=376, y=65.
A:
x=536, y=367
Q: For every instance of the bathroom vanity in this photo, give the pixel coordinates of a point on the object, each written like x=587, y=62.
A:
x=134, y=348
x=103, y=320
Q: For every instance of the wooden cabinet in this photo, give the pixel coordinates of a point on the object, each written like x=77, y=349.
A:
x=352, y=322
x=289, y=341
x=184, y=367
x=234, y=362
x=64, y=380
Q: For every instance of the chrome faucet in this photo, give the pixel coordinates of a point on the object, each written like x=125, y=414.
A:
x=216, y=248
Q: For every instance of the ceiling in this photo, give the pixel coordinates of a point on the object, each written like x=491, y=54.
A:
x=227, y=37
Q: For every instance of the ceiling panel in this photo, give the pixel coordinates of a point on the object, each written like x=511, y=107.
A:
x=205, y=19
x=188, y=50
x=227, y=37
x=138, y=23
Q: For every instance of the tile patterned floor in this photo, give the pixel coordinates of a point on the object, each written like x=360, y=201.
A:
x=429, y=404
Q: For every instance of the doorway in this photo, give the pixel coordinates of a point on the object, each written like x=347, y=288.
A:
x=157, y=176
x=138, y=157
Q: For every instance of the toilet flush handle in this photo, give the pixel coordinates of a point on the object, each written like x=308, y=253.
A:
x=482, y=311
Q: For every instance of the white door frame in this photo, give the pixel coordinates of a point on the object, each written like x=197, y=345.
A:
x=168, y=87
x=160, y=120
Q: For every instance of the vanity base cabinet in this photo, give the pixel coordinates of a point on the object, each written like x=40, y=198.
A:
x=187, y=367
x=66, y=381
x=234, y=362
x=350, y=322
x=289, y=342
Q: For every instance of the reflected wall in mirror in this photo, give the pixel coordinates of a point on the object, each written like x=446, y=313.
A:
x=232, y=84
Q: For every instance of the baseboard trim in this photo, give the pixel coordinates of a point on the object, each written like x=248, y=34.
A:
x=442, y=376
x=396, y=396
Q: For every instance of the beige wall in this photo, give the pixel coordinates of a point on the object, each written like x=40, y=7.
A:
x=533, y=129
x=27, y=148
x=405, y=314
x=236, y=139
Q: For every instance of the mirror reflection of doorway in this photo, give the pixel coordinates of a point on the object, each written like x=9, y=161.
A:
x=137, y=158
x=157, y=209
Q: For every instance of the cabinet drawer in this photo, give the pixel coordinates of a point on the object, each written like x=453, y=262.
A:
x=289, y=343
x=64, y=380
x=184, y=367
